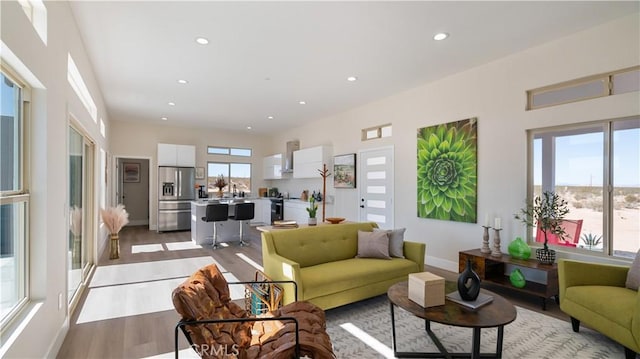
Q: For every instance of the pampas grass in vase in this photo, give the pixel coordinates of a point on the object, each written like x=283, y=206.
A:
x=114, y=218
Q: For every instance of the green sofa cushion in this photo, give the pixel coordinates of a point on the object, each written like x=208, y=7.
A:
x=334, y=277
x=321, y=244
x=615, y=303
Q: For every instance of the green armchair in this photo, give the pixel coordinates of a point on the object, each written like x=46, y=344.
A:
x=595, y=294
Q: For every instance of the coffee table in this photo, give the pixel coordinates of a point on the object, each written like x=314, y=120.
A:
x=498, y=313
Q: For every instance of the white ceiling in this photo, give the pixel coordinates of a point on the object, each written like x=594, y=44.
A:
x=264, y=57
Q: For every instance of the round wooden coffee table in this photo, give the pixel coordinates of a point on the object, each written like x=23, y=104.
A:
x=498, y=313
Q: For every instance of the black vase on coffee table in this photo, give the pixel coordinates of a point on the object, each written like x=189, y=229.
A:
x=469, y=283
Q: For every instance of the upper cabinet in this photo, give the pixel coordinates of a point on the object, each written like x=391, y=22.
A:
x=308, y=161
x=272, y=166
x=176, y=155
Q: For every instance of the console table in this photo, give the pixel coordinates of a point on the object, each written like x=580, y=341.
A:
x=492, y=270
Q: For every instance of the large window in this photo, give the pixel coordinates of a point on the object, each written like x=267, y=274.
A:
x=235, y=174
x=14, y=198
x=596, y=169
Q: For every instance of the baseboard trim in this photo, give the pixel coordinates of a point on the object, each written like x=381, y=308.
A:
x=138, y=222
x=442, y=263
x=57, y=343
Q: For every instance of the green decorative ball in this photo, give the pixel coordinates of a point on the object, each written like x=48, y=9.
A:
x=519, y=249
x=517, y=279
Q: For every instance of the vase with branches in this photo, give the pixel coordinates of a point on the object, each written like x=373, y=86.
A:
x=220, y=183
x=546, y=212
x=114, y=218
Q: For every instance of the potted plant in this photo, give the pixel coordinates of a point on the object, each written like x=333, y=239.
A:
x=546, y=212
x=312, y=209
x=220, y=183
x=114, y=219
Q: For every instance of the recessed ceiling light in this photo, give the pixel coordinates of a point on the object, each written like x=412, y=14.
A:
x=352, y=78
x=202, y=40
x=182, y=81
x=172, y=103
x=302, y=102
x=269, y=117
x=440, y=36
x=163, y=118
x=248, y=127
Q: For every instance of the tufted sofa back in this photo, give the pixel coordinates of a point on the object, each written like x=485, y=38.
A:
x=320, y=244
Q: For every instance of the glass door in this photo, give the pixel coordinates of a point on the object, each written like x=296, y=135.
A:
x=79, y=251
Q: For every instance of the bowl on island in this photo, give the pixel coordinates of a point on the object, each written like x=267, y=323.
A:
x=334, y=220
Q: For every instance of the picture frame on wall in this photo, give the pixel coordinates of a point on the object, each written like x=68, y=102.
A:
x=199, y=172
x=344, y=171
x=130, y=172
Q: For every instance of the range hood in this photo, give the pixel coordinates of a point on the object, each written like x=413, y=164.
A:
x=288, y=156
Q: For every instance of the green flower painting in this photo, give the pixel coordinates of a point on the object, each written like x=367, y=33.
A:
x=447, y=171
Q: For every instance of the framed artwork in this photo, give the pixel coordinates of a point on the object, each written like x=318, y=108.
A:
x=131, y=172
x=448, y=171
x=199, y=172
x=344, y=171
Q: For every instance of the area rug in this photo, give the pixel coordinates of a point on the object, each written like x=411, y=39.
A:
x=363, y=330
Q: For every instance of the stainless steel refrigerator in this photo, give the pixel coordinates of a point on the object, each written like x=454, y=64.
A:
x=176, y=190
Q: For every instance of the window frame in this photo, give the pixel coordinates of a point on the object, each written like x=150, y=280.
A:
x=228, y=151
x=228, y=175
x=607, y=127
x=21, y=195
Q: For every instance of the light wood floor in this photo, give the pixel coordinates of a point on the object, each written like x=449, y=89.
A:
x=126, y=312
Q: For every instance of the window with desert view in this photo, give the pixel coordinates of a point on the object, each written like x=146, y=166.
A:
x=596, y=169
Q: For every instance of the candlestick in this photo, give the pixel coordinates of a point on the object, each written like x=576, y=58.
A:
x=495, y=252
x=485, y=240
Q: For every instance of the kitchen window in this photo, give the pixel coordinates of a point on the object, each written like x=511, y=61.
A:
x=229, y=151
x=238, y=174
x=14, y=196
x=596, y=169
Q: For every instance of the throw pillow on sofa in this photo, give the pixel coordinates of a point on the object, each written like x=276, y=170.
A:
x=633, y=276
x=373, y=245
x=396, y=241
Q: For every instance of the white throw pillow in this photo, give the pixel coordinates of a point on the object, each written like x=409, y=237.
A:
x=396, y=241
x=373, y=245
x=633, y=276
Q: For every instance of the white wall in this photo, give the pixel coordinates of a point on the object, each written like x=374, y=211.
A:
x=53, y=102
x=495, y=94
x=140, y=140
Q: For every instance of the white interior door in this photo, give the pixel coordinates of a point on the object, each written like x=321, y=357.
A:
x=376, y=186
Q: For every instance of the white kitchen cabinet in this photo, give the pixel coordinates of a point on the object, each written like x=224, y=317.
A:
x=262, y=211
x=272, y=166
x=167, y=154
x=186, y=155
x=176, y=155
x=296, y=210
x=308, y=161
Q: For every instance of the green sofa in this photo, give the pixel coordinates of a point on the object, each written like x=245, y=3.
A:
x=321, y=260
x=595, y=294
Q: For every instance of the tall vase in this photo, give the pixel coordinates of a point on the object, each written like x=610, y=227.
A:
x=114, y=247
x=469, y=283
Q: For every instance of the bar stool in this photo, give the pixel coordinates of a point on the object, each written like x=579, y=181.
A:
x=216, y=213
x=243, y=212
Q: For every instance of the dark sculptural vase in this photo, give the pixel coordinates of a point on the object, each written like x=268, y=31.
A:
x=468, y=283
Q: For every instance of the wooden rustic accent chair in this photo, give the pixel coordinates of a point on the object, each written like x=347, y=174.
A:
x=216, y=327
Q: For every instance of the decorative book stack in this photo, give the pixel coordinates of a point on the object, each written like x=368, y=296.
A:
x=483, y=299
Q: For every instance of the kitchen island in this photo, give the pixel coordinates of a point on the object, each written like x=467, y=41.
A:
x=228, y=231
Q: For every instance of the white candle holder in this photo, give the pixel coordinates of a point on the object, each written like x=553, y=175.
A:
x=485, y=240
x=495, y=251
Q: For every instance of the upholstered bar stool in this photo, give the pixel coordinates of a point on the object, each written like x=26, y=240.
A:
x=217, y=212
x=243, y=212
